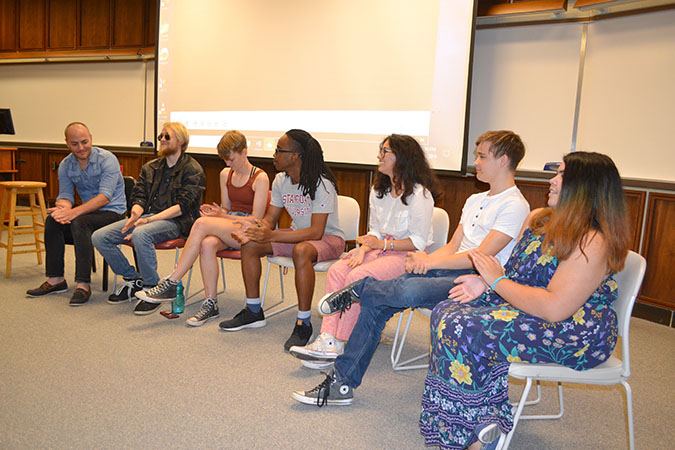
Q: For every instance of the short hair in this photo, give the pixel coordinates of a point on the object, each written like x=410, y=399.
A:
x=179, y=132
x=232, y=141
x=504, y=142
x=65, y=130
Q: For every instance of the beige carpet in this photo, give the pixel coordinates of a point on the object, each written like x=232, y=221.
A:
x=98, y=376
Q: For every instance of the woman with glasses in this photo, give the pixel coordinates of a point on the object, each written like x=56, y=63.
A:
x=243, y=192
x=552, y=302
x=401, y=209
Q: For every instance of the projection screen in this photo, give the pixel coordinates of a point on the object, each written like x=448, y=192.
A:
x=349, y=72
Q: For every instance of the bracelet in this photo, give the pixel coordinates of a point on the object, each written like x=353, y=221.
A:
x=494, y=283
x=384, y=247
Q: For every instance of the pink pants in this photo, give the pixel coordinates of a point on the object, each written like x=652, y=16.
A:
x=377, y=264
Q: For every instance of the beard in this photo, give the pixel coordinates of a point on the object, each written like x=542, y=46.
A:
x=167, y=151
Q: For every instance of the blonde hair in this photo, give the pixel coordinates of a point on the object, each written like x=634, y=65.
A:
x=232, y=141
x=179, y=132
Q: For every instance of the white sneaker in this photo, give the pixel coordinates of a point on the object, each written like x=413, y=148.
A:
x=318, y=365
x=324, y=348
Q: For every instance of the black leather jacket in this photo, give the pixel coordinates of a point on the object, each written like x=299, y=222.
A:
x=187, y=185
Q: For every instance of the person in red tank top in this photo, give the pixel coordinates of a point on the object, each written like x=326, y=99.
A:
x=244, y=192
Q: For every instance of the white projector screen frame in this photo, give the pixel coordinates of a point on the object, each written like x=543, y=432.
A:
x=349, y=72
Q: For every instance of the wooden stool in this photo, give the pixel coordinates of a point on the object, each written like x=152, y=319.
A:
x=36, y=208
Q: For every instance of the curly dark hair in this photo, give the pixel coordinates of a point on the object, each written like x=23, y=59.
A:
x=313, y=167
x=411, y=168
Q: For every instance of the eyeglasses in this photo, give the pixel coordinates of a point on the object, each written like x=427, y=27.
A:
x=384, y=151
x=165, y=136
x=281, y=150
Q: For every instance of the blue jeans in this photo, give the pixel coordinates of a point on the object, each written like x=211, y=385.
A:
x=144, y=238
x=380, y=300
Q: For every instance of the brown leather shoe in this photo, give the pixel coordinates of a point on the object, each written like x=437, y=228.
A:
x=80, y=297
x=46, y=289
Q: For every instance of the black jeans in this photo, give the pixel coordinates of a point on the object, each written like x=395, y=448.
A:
x=78, y=233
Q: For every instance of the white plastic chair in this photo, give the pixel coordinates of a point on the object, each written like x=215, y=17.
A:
x=441, y=226
x=611, y=372
x=349, y=214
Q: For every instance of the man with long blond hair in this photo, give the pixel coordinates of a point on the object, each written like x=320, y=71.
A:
x=165, y=203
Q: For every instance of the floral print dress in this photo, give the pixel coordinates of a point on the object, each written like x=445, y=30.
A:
x=473, y=344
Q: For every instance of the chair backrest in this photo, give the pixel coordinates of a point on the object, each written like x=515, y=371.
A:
x=628, y=283
x=441, y=226
x=129, y=184
x=349, y=213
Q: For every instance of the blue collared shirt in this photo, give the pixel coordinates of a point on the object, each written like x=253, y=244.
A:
x=102, y=176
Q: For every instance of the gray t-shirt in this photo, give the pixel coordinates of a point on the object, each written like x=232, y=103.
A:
x=300, y=207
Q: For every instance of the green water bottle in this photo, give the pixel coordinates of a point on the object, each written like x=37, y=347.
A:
x=178, y=305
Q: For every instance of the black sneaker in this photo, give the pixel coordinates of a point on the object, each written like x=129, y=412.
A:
x=331, y=391
x=144, y=308
x=208, y=311
x=339, y=300
x=80, y=297
x=164, y=292
x=244, y=319
x=125, y=292
x=300, y=336
x=46, y=289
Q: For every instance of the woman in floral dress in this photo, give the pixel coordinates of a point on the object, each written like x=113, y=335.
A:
x=551, y=303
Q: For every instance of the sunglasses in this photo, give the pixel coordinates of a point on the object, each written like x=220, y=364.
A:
x=281, y=150
x=165, y=136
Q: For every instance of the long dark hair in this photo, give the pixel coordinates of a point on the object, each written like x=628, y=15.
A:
x=313, y=167
x=411, y=168
x=591, y=198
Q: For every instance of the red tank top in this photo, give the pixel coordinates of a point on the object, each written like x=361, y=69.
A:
x=241, y=198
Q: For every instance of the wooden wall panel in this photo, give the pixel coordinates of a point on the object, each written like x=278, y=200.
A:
x=94, y=24
x=62, y=24
x=128, y=21
x=212, y=167
x=658, y=249
x=454, y=192
x=30, y=165
x=31, y=24
x=53, y=160
x=635, y=201
x=8, y=25
x=151, y=22
x=355, y=183
x=131, y=164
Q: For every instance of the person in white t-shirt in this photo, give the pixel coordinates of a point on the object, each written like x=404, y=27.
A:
x=401, y=209
x=307, y=190
x=490, y=221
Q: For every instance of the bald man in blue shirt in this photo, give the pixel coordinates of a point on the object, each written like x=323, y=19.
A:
x=95, y=174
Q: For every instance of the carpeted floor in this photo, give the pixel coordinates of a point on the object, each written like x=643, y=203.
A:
x=98, y=376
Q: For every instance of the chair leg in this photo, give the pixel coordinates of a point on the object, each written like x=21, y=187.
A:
x=397, y=348
x=262, y=300
x=93, y=260
x=532, y=402
x=281, y=282
x=629, y=410
x=518, y=412
x=561, y=406
x=267, y=278
x=104, y=276
x=222, y=274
